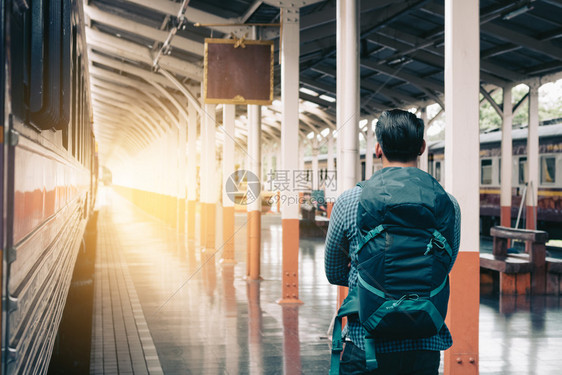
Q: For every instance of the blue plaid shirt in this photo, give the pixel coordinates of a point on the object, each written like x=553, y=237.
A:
x=342, y=242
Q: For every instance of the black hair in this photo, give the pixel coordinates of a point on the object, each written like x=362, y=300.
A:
x=400, y=134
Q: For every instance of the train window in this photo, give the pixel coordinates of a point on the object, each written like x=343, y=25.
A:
x=548, y=169
x=438, y=170
x=50, y=64
x=500, y=170
x=486, y=171
x=523, y=170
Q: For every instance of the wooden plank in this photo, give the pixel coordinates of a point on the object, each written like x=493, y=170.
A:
x=537, y=257
x=508, y=284
x=507, y=264
x=499, y=247
x=523, y=283
x=553, y=265
x=520, y=234
x=553, y=284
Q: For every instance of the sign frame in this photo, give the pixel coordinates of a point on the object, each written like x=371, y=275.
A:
x=237, y=99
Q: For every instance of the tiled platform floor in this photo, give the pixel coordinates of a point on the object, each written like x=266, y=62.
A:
x=204, y=318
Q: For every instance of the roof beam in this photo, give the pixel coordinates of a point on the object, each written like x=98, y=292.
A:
x=427, y=53
x=133, y=51
x=543, y=47
x=404, y=76
x=123, y=104
x=193, y=15
x=134, y=94
x=127, y=68
x=148, y=32
x=393, y=95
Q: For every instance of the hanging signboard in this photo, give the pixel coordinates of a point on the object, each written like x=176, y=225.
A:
x=238, y=71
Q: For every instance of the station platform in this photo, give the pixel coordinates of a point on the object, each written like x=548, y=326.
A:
x=163, y=307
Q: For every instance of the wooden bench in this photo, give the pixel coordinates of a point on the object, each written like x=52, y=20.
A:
x=519, y=273
x=553, y=276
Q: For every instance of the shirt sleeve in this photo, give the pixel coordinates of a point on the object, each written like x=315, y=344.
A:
x=336, y=257
x=457, y=233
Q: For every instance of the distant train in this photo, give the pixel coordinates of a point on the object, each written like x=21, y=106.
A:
x=549, y=210
x=549, y=201
x=49, y=172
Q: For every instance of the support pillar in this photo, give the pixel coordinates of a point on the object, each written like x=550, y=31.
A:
x=228, y=114
x=506, y=158
x=315, y=180
x=348, y=120
x=423, y=160
x=533, y=156
x=171, y=196
x=330, y=186
x=302, y=165
x=191, y=172
x=347, y=87
x=289, y=46
x=370, y=150
x=254, y=202
x=462, y=75
x=208, y=181
x=182, y=146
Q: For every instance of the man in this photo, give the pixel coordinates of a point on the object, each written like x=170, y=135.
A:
x=399, y=143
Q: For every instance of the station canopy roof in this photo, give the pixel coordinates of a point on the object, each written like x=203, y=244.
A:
x=401, y=54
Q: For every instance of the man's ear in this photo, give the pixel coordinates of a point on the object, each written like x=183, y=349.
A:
x=378, y=150
x=422, y=148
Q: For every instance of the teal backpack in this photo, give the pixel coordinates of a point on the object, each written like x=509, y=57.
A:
x=406, y=220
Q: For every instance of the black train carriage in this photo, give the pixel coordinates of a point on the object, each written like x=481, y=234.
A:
x=49, y=172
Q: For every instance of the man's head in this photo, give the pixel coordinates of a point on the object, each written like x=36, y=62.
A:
x=400, y=136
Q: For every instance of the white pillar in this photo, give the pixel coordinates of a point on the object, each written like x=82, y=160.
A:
x=462, y=76
x=423, y=162
x=273, y=161
x=182, y=187
x=289, y=58
x=228, y=115
x=182, y=146
x=254, y=149
x=192, y=154
x=191, y=171
x=348, y=88
x=506, y=158
x=358, y=168
x=370, y=150
x=329, y=187
x=172, y=161
x=462, y=115
x=208, y=153
x=315, y=172
x=208, y=180
x=302, y=166
x=533, y=156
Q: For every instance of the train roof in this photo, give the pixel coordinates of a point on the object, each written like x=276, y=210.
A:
x=495, y=136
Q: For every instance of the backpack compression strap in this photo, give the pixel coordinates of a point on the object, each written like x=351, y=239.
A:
x=370, y=235
x=349, y=306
